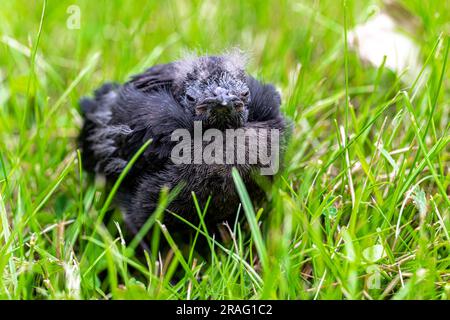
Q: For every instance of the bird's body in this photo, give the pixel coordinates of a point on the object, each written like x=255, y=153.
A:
x=214, y=91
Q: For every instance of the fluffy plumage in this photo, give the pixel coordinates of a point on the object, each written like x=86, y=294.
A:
x=120, y=118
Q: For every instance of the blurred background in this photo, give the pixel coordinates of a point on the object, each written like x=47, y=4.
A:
x=315, y=52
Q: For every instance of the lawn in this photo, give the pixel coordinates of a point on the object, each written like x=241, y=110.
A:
x=361, y=209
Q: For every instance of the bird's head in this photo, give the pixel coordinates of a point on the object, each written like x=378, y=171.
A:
x=214, y=89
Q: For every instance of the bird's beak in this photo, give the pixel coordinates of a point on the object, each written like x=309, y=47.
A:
x=224, y=98
x=228, y=103
x=222, y=101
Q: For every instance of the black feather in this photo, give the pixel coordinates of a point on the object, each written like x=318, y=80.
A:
x=121, y=118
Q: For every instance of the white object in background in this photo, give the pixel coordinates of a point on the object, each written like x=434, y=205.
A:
x=379, y=37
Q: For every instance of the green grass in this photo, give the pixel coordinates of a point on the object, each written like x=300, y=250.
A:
x=364, y=191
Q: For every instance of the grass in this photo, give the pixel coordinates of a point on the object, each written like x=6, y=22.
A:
x=360, y=211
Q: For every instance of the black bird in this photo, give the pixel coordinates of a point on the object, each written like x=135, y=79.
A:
x=215, y=90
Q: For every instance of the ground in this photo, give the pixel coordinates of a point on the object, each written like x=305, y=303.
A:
x=360, y=211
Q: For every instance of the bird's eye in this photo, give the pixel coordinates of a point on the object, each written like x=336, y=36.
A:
x=190, y=98
x=245, y=94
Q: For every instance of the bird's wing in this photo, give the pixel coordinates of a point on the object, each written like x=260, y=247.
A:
x=265, y=101
x=154, y=78
x=120, y=119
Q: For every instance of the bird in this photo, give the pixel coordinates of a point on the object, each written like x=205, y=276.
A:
x=213, y=90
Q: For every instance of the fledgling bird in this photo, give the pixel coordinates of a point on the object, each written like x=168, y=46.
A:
x=215, y=90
